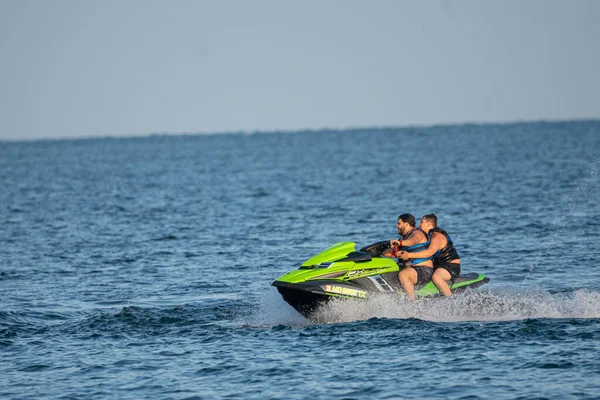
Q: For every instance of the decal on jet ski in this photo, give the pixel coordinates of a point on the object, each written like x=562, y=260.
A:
x=364, y=272
x=345, y=291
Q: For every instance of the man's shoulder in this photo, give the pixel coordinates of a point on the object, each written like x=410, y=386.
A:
x=417, y=233
x=438, y=233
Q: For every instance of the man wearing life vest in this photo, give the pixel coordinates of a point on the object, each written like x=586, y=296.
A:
x=446, y=261
x=420, y=269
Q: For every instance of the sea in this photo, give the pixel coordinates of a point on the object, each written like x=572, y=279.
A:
x=141, y=267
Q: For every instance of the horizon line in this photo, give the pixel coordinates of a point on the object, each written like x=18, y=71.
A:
x=290, y=131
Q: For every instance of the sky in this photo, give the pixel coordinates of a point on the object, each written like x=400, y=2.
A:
x=76, y=68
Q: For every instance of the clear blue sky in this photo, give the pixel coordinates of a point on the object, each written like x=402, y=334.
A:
x=96, y=68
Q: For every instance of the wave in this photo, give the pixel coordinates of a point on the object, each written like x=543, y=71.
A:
x=185, y=319
x=214, y=318
x=503, y=304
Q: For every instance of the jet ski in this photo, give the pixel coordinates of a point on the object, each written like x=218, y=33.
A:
x=342, y=272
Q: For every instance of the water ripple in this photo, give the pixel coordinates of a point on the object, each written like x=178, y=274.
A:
x=136, y=268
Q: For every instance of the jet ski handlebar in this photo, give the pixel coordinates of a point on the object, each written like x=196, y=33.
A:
x=377, y=249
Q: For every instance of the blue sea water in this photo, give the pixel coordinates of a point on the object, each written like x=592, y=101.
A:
x=141, y=267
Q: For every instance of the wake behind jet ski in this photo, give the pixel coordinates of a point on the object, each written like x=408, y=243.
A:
x=342, y=272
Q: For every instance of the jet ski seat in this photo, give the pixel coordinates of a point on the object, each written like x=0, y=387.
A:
x=465, y=277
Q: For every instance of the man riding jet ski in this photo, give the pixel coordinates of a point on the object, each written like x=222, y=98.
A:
x=342, y=272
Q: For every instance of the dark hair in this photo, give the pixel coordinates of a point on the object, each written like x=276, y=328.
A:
x=408, y=218
x=431, y=218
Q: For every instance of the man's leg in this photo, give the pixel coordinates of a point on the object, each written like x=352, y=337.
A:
x=408, y=278
x=440, y=276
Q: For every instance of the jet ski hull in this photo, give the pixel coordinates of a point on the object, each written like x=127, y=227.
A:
x=303, y=301
x=307, y=298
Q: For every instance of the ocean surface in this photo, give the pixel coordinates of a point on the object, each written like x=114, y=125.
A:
x=141, y=267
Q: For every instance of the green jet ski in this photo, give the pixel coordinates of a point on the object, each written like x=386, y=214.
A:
x=342, y=272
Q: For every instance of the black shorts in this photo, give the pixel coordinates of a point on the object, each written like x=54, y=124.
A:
x=423, y=275
x=453, y=269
